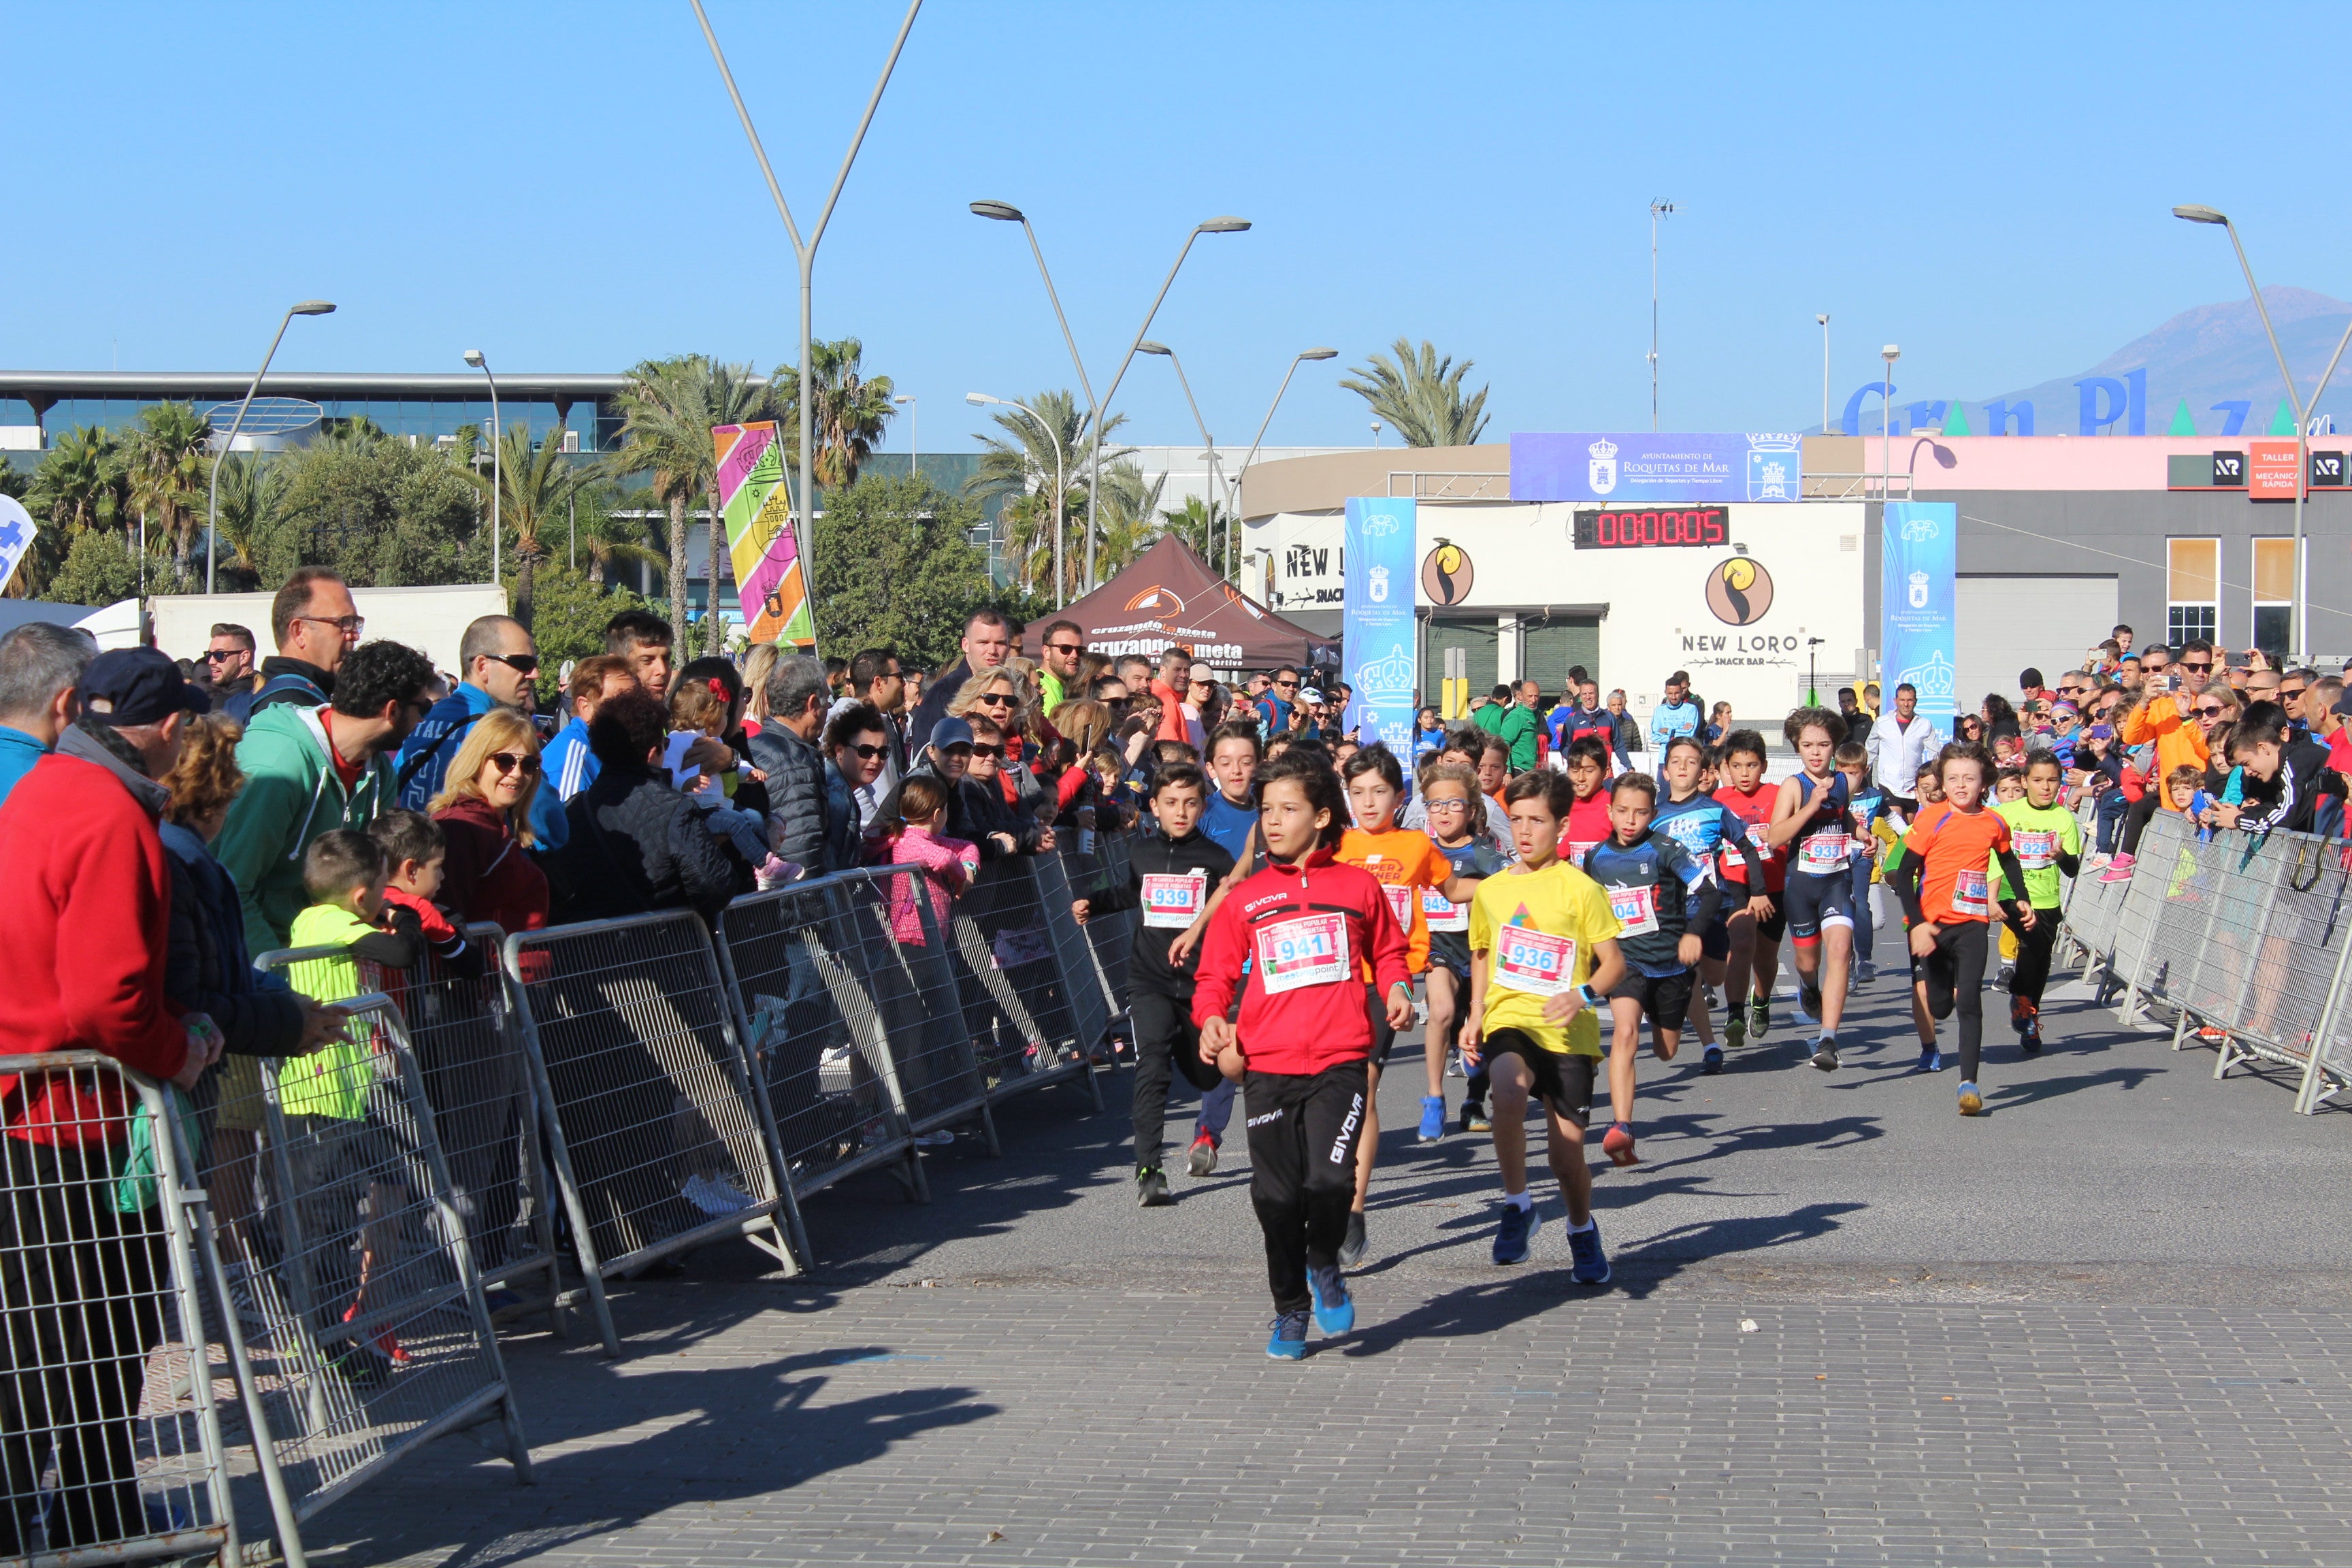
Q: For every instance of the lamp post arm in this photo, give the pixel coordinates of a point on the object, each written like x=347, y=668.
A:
x=212, y=505
x=1256, y=440
x=2294, y=399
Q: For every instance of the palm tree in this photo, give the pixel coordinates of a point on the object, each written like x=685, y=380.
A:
x=168, y=467
x=1130, y=516
x=1420, y=397
x=662, y=435
x=1021, y=470
x=251, y=490
x=79, y=485
x=599, y=528
x=1199, y=523
x=847, y=414
x=537, y=492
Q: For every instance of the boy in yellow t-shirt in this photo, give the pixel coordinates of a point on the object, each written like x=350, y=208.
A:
x=1543, y=953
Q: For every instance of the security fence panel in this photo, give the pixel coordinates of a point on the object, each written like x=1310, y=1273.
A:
x=2294, y=958
x=1080, y=972
x=2212, y=928
x=1111, y=934
x=2162, y=893
x=659, y=1142
x=110, y=1443
x=1025, y=1023
x=462, y=1026
x=903, y=918
x=352, y=1281
x=796, y=962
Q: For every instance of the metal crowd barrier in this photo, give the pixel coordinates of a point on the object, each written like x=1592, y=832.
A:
x=1033, y=1003
x=2243, y=937
x=1112, y=935
x=354, y=1286
x=111, y=1431
x=660, y=1142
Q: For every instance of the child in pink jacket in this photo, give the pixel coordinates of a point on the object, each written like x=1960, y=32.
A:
x=913, y=834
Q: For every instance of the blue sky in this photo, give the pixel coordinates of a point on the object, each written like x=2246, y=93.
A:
x=566, y=187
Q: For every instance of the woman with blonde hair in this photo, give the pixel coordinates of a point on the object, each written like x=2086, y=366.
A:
x=758, y=663
x=484, y=810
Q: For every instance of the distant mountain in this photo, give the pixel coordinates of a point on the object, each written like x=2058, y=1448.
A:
x=2212, y=357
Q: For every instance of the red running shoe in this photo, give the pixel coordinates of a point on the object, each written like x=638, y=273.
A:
x=1618, y=1143
x=386, y=1342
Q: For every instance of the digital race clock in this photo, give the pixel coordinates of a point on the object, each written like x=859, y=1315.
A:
x=1634, y=527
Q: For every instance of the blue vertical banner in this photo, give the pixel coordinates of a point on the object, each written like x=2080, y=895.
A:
x=1376, y=625
x=1919, y=558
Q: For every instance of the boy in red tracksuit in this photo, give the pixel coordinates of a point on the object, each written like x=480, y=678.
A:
x=1303, y=1035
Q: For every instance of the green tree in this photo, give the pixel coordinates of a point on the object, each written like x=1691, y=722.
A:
x=894, y=567
x=381, y=512
x=168, y=466
x=848, y=411
x=1200, y=524
x=252, y=491
x=78, y=487
x=665, y=424
x=1130, y=516
x=1420, y=396
x=538, y=491
x=98, y=569
x=1019, y=467
x=606, y=534
x=568, y=621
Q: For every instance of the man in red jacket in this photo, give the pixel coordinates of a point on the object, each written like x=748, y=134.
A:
x=83, y=873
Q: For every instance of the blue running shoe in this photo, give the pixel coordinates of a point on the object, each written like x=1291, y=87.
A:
x=1971, y=1102
x=1930, y=1059
x=1712, y=1062
x=1511, y=1238
x=1432, y=1117
x=1289, y=1340
x=1335, y=1313
x=1592, y=1263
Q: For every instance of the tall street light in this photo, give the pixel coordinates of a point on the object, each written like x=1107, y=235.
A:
x=211, y=507
x=474, y=357
x=805, y=521
x=1234, y=506
x=2295, y=637
x=1824, y=319
x=1658, y=209
x=1005, y=213
x=1890, y=354
x=914, y=435
x=1163, y=351
x=982, y=400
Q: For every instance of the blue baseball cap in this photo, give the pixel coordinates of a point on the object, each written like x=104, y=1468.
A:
x=951, y=731
x=133, y=686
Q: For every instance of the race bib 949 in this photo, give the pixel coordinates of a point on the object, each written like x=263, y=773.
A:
x=1441, y=912
x=1306, y=950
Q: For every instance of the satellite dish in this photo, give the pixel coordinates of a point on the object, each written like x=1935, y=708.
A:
x=267, y=416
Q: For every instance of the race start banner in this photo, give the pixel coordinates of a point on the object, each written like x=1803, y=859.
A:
x=1376, y=623
x=758, y=508
x=1918, y=557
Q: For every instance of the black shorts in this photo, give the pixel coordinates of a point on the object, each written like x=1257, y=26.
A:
x=1384, y=1037
x=1715, y=941
x=1813, y=904
x=1773, y=926
x=1665, y=999
x=1564, y=1081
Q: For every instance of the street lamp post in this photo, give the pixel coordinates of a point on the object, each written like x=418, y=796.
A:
x=2296, y=631
x=211, y=505
x=1147, y=346
x=805, y=519
x=1004, y=211
x=1824, y=319
x=1658, y=209
x=914, y=435
x=474, y=357
x=1890, y=354
x=1061, y=487
x=1234, y=506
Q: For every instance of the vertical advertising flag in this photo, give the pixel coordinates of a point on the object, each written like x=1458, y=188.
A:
x=757, y=506
x=1919, y=558
x=16, y=536
x=1376, y=625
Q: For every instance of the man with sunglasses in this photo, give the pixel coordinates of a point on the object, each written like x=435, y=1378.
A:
x=228, y=661
x=1057, y=662
x=1274, y=708
x=499, y=661
x=315, y=625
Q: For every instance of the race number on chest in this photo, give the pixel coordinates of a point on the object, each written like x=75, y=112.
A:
x=1534, y=961
x=1173, y=902
x=1303, y=951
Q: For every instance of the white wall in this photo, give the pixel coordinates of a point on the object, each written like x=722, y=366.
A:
x=431, y=620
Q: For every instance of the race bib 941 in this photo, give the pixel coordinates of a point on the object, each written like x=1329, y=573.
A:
x=1534, y=961
x=1306, y=950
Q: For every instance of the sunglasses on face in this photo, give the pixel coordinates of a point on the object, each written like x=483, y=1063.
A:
x=2289, y=693
x=868, y=753
x=2192, y=664
x=2214, y=713
x=215, y=655
x=1066, y=647
x=1286, y=686
x=988, y=751
x=350, y=625
x=998, y=699
x=508, y=761
x=520, y=663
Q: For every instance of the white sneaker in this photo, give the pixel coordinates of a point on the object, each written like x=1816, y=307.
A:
x=715, y=1195
x=939, y=1137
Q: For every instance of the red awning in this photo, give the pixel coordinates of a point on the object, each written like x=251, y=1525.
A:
x=1168, y=595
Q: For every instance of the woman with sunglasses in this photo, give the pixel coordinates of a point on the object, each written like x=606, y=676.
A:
x=484, y=810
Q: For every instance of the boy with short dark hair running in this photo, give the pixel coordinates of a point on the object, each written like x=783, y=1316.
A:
x=1303, y=921
x=1707, y=828
x=1586, y=823
x=1662, y=899
x=1543, y=952
x=2048, y=845
x=1810, y=819
x=1754, y=938
x=1170, y=878
x=1947, y=892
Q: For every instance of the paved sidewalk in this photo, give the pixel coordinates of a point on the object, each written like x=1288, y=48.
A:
x=2094, y=1327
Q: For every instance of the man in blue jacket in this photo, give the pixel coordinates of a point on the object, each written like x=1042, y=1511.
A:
x=499, y=661
x=40, y=671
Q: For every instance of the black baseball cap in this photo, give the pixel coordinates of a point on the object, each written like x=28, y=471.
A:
x=133, y=686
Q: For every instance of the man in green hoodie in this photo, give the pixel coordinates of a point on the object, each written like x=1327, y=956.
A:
x=309, y=771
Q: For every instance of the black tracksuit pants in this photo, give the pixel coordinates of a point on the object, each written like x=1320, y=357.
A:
x=1303, y=1130
x=2033, y=949
x=1955, y=977
x=1166, y=1043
